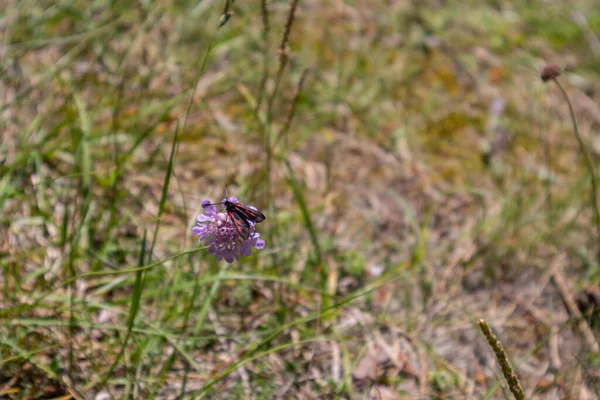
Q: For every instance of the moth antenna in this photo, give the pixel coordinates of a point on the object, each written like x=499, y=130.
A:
x=226, y=193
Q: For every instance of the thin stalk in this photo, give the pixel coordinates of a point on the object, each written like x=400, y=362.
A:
x=136, y=297
x=283, y=56
x=290, y=117
x=209, y=299
x=305, y=212
x=265, y=67
x=267, y=128
x=165, y=191
x=588, y=160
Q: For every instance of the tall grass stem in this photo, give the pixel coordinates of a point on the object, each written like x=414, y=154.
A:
x=588, y=160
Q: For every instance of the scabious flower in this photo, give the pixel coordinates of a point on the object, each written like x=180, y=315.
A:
x=218, y=233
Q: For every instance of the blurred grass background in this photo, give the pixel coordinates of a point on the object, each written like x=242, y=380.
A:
x=416, y=174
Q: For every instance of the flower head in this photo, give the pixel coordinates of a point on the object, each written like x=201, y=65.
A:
x=550, y=71
x=218, y=232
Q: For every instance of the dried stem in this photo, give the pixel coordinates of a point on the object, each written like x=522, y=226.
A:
x=571, y=304
x=265, y=67
x=283, y=54
x=290, y=117
x=283, y=58
x=507, y=371
x=288, y=29
x=265, y=19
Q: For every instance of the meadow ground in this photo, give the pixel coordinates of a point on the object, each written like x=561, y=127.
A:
x=416, y=174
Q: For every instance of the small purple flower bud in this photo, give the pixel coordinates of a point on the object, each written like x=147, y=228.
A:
x=550, y=71
x=218, y=233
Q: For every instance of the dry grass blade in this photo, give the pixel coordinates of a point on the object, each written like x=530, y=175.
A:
x=283, y=55
x=571, y=304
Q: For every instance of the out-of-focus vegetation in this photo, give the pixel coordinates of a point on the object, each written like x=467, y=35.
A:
x=416, y=173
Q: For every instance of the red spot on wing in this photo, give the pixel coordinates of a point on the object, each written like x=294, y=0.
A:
x=241, y=225
x=240, y=215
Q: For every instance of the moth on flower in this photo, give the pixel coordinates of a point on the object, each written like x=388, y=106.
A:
x=229, y=233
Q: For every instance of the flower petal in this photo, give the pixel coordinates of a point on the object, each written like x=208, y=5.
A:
x=260, y=244
x=205, y=218
x=204, y=236
x=232, y=199
x=246, y=249
x=202, y=232
x=210, y=208
x=212, y=249
x=229, y=257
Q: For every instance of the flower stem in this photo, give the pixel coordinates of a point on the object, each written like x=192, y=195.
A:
x=588, y=160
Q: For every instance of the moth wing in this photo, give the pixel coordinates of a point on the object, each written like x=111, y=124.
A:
x=251, y=214
x=241, y=224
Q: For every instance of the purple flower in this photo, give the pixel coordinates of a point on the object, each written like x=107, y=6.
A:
x=218, y=233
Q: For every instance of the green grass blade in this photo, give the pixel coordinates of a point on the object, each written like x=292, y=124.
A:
x=209, y=299
x=165, y=191
x=86, y=127
x=138, y=287
x=305, y=213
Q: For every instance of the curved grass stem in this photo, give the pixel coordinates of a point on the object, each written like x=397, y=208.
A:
x=588, y=160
